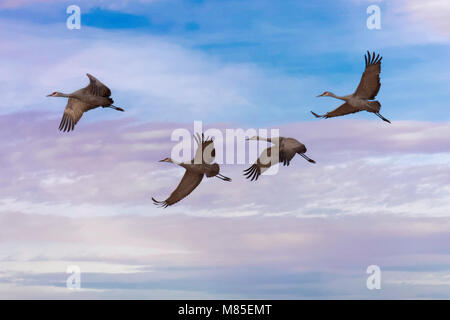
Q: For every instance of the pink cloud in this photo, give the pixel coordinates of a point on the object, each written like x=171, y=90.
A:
x=113, y=165
x=433, y=13
x=200, y=254
x=8, y=4
x=378, y=194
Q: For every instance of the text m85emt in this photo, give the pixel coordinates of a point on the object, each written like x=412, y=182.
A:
x=246, y=309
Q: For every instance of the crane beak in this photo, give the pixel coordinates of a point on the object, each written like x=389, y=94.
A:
x=49, y=95
x=320, y=95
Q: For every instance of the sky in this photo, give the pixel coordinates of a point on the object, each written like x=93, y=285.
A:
x=379, y=193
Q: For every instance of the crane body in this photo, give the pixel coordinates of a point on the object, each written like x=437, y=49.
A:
x=194, y=172
x=283, y=150
x=95, y=95
x=363, y=97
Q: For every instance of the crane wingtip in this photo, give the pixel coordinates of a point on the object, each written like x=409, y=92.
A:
x=160, y=204
x=252, y=173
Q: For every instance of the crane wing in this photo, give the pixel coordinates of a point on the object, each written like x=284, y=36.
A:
x=188, y=183
x=206, y=153
x=96, y=87
x=370, y=81
x=286, y=156
x=288, y=148
x=340, y=111
x=264, y=162
x=73, y=112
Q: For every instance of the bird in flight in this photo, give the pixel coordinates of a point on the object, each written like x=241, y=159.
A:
x=198, y=167
x=95, y=95
x=361, y=99
x=286, y=149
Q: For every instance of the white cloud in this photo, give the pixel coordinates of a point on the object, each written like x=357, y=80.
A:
x=419, y=278
x=434, y=13
x=150, y=77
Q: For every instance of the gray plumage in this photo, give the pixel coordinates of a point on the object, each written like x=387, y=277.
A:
x=361, y=99
x=94, y=95
x=283, y=150
x=198, y=167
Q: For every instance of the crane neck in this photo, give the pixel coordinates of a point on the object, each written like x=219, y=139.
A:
x=64, y=95
x=345, y=98
x=262, y=138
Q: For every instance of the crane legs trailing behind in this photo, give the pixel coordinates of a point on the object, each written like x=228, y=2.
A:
x=363, y=97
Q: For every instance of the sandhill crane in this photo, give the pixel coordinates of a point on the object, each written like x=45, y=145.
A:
x=195, y=170
x=367, y=90
x=95, y=95
x=286, y=148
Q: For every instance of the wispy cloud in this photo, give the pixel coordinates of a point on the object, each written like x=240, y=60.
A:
x=377, y=195
x=400, y=169
x=160, y=79
x=178, y=256
x=113, y=4
x=432, y=13
x=167, y=77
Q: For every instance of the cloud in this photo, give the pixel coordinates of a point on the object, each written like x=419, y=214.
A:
x=165, y=77
x=378, y=193
x=432, y=13
x=198, y=257
x=415, y=14
x=120, y=4
x=8, y=4
x=377, y=196
x=110, y=167
x=162, y=80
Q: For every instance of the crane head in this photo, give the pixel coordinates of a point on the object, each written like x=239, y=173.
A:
x=326, y=93
x=54, y=94
x=166, y=160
